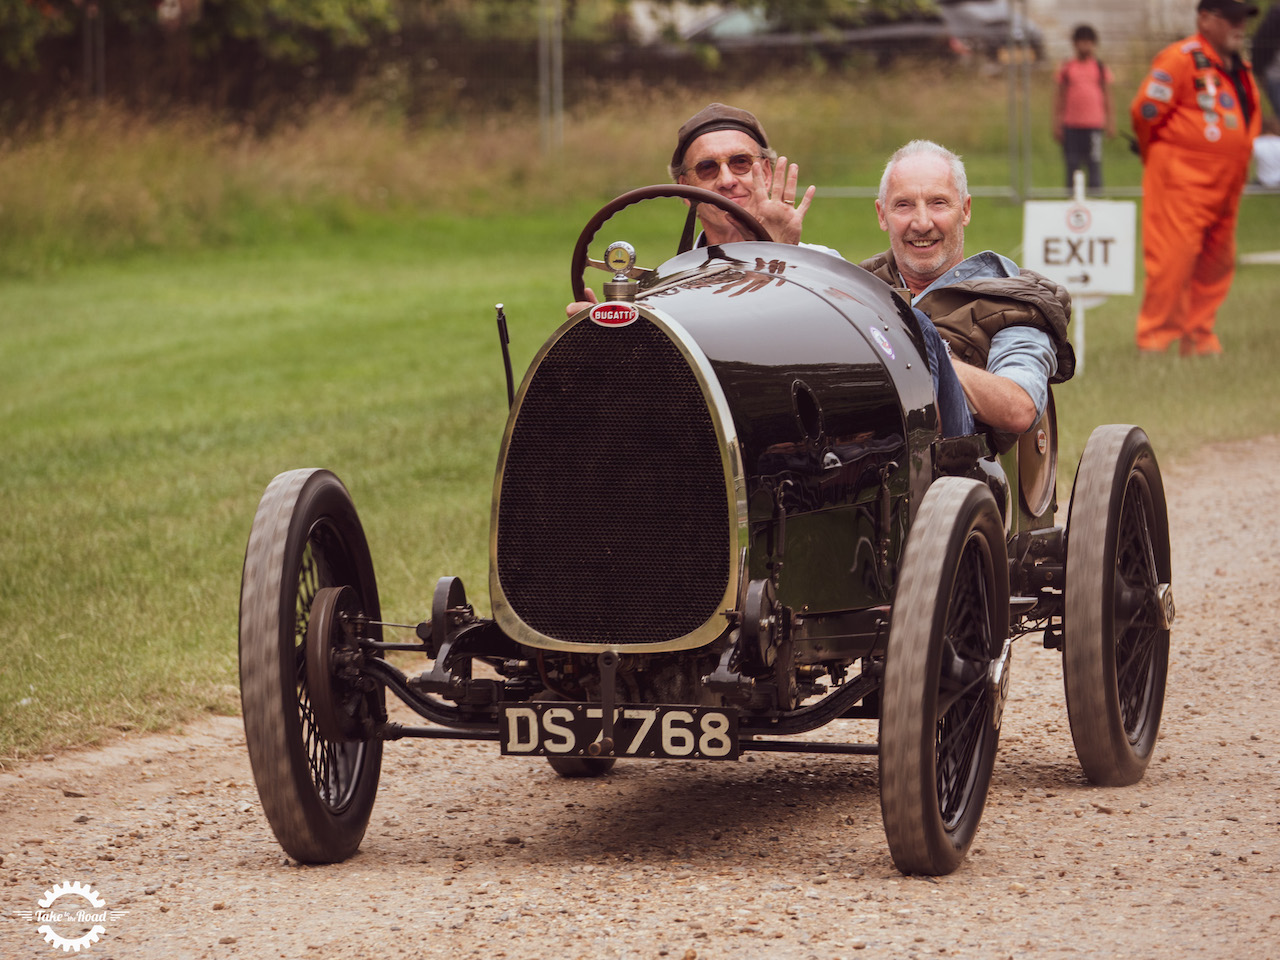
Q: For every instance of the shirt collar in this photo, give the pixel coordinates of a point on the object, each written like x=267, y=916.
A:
x=986, y=265
x=1229, y=64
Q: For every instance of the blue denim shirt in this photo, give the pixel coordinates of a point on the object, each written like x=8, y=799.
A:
x=1022, y=354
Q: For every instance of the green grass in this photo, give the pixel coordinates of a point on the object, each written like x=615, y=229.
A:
x=147, y=406
x=150, y=388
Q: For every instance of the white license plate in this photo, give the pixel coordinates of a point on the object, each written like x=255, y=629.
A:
x=667, y=732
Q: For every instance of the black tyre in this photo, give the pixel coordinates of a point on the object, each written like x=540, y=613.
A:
x=578, y=767
x=317, y=794
x=1115, y=655
x=581, y=766
x=942, y=697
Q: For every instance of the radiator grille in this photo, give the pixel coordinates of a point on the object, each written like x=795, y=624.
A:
x=613, y=516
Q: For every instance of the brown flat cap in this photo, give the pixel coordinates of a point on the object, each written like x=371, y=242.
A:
x=717, y=116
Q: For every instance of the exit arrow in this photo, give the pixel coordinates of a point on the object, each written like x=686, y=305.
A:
x=1082, y=280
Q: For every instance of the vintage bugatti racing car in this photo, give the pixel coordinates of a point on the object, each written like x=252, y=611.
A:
x=724, y=516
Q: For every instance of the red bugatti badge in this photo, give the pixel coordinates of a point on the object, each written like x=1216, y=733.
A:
x=615, y=314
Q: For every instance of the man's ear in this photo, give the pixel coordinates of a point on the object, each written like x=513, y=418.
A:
x=968, y=210
x=884, y=224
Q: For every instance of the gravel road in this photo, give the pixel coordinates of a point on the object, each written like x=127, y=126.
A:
x=776, y=856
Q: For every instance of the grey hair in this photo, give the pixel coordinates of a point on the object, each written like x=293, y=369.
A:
x=768, y=153
x=918, y=148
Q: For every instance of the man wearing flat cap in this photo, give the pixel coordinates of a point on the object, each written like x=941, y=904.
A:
x=725, y=149
x=1196, y=116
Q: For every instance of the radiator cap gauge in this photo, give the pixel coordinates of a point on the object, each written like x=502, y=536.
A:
x=620, y=257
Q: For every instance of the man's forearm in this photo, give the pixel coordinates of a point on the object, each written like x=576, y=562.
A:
x=996, y=401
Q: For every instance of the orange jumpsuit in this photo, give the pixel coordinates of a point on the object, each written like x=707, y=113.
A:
x=1196, y=137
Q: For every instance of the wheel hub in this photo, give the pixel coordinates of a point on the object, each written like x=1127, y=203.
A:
x=998, y=683
x=1165, y=606
x=332, y=667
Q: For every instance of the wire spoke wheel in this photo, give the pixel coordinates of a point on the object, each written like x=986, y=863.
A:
x=1138, y=631
x=317, y=792
x=939, y=720
x=1116, y=643
x=965, y=702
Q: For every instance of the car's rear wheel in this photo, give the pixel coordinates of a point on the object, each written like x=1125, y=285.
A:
x=581, y=766
x=942, y=697
x=317, y=793
x=1118, y=605
x=578, y=767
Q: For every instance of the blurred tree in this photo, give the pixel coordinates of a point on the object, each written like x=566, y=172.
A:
x=285, y=29
x=292, y=30
x=22, y=25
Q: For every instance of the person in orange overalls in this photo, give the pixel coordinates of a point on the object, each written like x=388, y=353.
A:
x=1195, y=116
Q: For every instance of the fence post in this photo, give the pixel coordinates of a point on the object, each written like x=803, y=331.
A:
x=95, y=53
x=550, y=75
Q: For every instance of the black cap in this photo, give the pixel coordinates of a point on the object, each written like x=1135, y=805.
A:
x=718, y=116
x=1231, y=9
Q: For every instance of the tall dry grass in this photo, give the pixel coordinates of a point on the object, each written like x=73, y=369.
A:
x=96, y=182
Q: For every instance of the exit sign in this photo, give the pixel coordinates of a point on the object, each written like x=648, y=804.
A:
x=1085, y=245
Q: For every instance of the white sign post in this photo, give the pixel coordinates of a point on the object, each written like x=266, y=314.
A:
x=1085, y=245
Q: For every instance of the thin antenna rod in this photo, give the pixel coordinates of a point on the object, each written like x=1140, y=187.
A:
x=505, y=339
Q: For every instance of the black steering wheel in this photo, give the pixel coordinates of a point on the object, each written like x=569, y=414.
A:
x=694, y=195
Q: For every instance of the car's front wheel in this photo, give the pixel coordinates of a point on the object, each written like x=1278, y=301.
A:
x=944, y=678
x=317, y=793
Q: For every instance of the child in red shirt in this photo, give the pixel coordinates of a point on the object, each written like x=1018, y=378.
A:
x=1082, y=108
